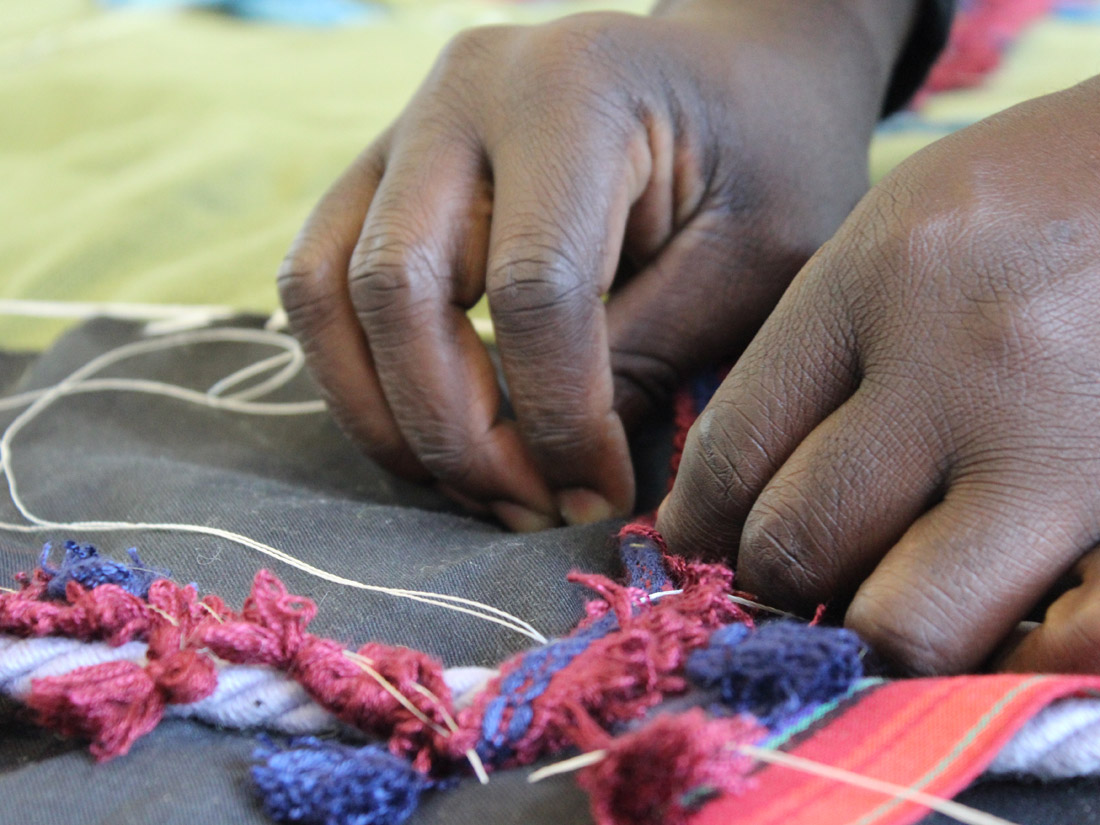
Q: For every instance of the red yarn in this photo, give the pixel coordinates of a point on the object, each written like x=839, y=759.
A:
x=684, y=415
x=978, y=39
x=107, y=612
x=645, y=531
x=271, y=630
x=661, y=774
x=618, y=677
x=116, y=703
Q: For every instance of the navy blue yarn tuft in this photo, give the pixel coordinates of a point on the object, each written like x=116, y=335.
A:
x=326, y=783
x=644, y=563
x=83, y=564
x=779, y=669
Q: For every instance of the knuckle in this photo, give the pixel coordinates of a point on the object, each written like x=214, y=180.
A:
x=552, y=431
x=578, y=43
x=538, y=291
x=779, y=553
x=473, y=45
x=717, y=446
x=303, y=291
x=390, y=276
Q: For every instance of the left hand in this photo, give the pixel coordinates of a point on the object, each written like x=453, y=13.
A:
x=917, y=426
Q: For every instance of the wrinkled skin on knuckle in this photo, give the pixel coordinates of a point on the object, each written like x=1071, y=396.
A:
x=779, y=558
x=535, y=294
x=715, y=447
x=301, y=284
x=393, y=281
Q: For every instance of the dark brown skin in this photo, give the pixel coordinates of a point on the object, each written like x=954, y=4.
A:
x=915, y=429
x=686, y=164
x=917, y=425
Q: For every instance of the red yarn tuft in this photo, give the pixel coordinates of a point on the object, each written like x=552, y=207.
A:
x=645, y=531
x=271, y=630
x=116, y=703
x=662, y=774
x=107, y=612
x=978, y=39
x=684, y=415
x=619, y=677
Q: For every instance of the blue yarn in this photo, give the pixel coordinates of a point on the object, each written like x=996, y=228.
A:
x=644, y=563
x=525, y=684
x=326, y=783
x=646, y=570
x=83, y=564
x=779, y=669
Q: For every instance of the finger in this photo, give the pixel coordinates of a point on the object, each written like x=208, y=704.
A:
x=698, y=303
x=796, y=371
x=1068, y=640
x=313, y=289
x=416, y=270
x=964, y=575
x=555, y=243
x=839, y=503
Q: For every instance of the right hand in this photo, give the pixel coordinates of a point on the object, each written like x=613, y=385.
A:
x=687, y=164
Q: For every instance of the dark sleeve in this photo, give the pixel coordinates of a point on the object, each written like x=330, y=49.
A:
x=926, y=40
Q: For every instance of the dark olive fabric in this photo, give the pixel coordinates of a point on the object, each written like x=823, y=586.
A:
x=297, y=484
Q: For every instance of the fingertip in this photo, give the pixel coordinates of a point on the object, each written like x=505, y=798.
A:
x=521, y=519
x=580, y=506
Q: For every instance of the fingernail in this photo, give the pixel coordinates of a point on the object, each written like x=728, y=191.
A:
x=580, y=506
x=519, y=518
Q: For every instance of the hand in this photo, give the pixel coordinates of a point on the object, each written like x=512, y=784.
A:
x=688, y=164
x=918, y=423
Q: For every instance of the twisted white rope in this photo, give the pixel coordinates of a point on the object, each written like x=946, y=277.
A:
x=247, y=696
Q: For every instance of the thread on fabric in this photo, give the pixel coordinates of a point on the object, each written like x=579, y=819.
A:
x=81, y=380
x=779, y=669
x=664, y=772
x=271, y=630
x=325, y=783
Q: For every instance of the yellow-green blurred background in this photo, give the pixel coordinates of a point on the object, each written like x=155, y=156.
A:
x=170, y=156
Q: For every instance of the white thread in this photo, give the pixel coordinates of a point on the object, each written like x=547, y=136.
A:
x=80, y=381
x=570, y=765
x=739, y=600
x=955, y=810
x=247, y=696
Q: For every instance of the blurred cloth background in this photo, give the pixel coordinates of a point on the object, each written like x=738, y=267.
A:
x=153, y=153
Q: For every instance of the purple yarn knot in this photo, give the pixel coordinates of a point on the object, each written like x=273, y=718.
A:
x=83, y=564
